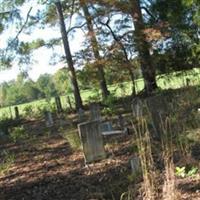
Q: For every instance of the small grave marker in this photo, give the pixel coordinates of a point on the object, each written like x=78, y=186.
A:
x=48, y=119
x=95, y=113
x=92, y=141
x=137, y=108
x=81, y=115
x=135, y=165
x=107, y=129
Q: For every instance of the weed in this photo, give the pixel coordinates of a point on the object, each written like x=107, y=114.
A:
x=7, y=160
x=73, y=139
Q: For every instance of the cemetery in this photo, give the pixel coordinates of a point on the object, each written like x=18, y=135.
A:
x=100, y=100
x=89, y=154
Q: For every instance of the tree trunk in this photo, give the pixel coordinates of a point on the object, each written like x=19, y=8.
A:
x=95, y=49
x=75, y=88
x=148, y=70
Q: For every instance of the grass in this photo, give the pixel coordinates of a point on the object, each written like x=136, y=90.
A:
x=7, y=160
x=166, y=81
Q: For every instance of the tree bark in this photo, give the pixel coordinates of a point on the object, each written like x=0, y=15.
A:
x=95, y=48
x=75, y=87
x=148, y=70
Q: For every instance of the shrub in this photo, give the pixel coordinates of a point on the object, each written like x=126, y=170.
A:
x=17, y=134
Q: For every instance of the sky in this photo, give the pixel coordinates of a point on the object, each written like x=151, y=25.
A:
x=43, y=55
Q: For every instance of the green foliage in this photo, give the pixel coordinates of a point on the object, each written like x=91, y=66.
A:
x=73, y=138
x=18, y=134
x=110, y=102
x=182, y=172
x=6, y=162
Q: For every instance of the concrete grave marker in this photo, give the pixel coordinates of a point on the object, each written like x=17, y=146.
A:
x=95, y=113
x=107, y=129
x=48, y=119
x=92, y=141
x=81, y=115
x=159, y=109
x=137, y=108
x=135, y=165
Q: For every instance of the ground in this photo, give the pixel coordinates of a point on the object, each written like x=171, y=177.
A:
x=47, y=168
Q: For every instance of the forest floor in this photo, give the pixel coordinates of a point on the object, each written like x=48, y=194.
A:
x=46, y=168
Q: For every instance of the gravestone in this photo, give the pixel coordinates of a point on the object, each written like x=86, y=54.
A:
x=107, y=129
x=81, y=115
x=137, y=108
x=92, y=141
x=121, y=121
x=58, y=104
x=2, y=133
x=159, y=109
x=95, y=113
x=48, y=119
x=106, y=126
x=16, y=112
x=135, y=165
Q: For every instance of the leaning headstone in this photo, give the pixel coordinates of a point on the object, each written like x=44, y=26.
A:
x=92, y=141
x=16, y=112
x=95, y=113
x=58, y=104
x=48, y=119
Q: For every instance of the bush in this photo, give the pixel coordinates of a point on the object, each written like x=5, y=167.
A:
x=17, y=134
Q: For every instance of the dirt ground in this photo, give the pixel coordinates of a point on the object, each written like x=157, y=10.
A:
x=46, y=168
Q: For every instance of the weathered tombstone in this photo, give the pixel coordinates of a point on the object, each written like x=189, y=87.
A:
x=159, y=109
x=81, y=115
x=16, y=112
x=107, y=129
x=2, y=134
x=135, y=165
x=121, y=121
x=106, y=126
x=92, y=141
x=48, y=119
x=95, y=113
x=137, y=108
x=58, y=104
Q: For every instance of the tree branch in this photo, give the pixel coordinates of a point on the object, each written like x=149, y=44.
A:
x=149, y=13
x=19, y=32
x=76, y=27
x=23, y=26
